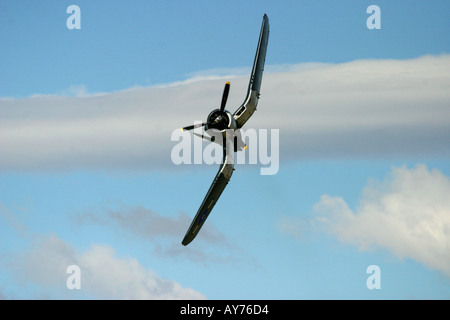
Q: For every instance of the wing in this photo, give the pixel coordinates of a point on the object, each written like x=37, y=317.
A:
x=245, y=111
x=214, y=192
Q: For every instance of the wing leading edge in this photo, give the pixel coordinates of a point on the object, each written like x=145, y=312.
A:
x=215, y=190
x=245, y=111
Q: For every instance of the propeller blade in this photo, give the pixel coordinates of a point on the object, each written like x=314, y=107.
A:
x=208, y=138
x=198, y=125
x=226, y=90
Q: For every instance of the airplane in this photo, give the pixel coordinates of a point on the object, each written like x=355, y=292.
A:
x=225, y=122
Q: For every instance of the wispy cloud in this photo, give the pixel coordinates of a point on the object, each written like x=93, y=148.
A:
x=146, y=223
x=164, y=234
x=365, y=108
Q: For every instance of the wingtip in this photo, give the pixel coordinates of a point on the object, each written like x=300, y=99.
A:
x=187, y=239
x=185, y=242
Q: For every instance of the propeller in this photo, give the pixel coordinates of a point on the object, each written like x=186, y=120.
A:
x=219, y=118
x=226, y=90
x=198, y=125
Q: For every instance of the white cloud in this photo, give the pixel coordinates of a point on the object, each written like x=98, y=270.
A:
x=366, y=108
x=408, y=214
x=103, y=274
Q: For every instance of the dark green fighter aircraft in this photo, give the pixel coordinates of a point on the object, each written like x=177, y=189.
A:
x=223, y=121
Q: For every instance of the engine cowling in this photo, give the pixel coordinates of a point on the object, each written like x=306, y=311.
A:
x=221, y=120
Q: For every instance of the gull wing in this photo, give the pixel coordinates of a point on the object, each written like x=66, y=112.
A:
x=245, y=111
x=218, y=185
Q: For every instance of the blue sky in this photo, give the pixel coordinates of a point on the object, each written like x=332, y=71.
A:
x=86, y=176
x=122, y=45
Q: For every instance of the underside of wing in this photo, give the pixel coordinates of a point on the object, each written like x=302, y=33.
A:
x=218, y=185
x=245, y=111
